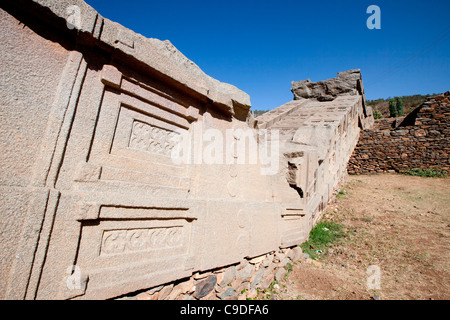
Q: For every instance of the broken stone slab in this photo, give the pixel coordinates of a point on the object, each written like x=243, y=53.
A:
x=201, y=275
x=269, y=269
x=219, y=276
x=228, y=276
x=145, y=296
x=126, y=298
x=242, y=264
x=162, y=56
x=204, y=287
x=346, y=83
x=245, y=273
x=65, y=9
x=157, y=53
x=297, y=253
x=284, y=262
x=267, y=261
x=164, y=293
x=279, y=256
x=210, y=296
x=279, y=274
x=257, y=260
x=154, y=296
x=266, y=281
x=186, y=286
x=228, y=294
x=181, y=297
x=155, y=289
x=174, y=294
x=256, y=278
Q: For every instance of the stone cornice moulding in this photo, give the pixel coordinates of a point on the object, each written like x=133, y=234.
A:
x=161, y=56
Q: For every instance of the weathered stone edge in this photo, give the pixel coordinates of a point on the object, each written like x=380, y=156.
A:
x=159, y=55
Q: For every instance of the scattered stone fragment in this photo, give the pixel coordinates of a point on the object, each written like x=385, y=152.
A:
x=266, y=281
x=204, y=287
x=228, y=276
x=229, y=293
x=164, y=293
x=201, y=275
x=256, y=279
x=284, y=262
x=267, y=261
x=279, y=274
x=144, y=296
x=257, y=259
x=245, y=273
x=305, y=256
x=186, y=286
x=242, y=264
x=210, y=296
x=155, y=289
x=174, y=294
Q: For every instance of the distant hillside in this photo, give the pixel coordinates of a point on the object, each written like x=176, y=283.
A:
x=257, y=113
x=410, y=103
x=382, y=105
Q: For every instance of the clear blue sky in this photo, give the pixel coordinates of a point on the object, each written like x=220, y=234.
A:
x=261, y=46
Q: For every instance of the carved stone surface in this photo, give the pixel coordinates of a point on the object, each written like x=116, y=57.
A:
x=328, y=90
x=93, y=204
x=153, y=139
x=134, y=240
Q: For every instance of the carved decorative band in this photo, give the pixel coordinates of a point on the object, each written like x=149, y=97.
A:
x=135, y=240
x=145, y=137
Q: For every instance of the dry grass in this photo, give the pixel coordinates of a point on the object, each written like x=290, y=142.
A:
x=400, y=224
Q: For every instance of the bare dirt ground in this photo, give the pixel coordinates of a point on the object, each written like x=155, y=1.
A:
x=400, y=224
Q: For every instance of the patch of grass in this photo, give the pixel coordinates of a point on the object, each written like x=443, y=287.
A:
x=341, y=193
x=427, y=173
x=321, y=237
x=289, y=267
x=266, y=294
x=272, y=285
x=377, y=114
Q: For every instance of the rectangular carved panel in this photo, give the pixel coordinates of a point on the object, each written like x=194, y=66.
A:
x=133, y=144
x=143, y=248
x=153, y=139
x=294, y=227
x=141, y=132
x=139, y=240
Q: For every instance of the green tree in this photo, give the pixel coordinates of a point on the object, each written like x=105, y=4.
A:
x=399, y=106
x=377, y=114
x=392, y=108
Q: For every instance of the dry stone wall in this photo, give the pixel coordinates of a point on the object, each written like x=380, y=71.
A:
x=240, y=281
x=124, y=167
x=420, y=140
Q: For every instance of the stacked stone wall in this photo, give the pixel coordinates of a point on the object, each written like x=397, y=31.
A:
x=419, y=141
x=241, y=281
